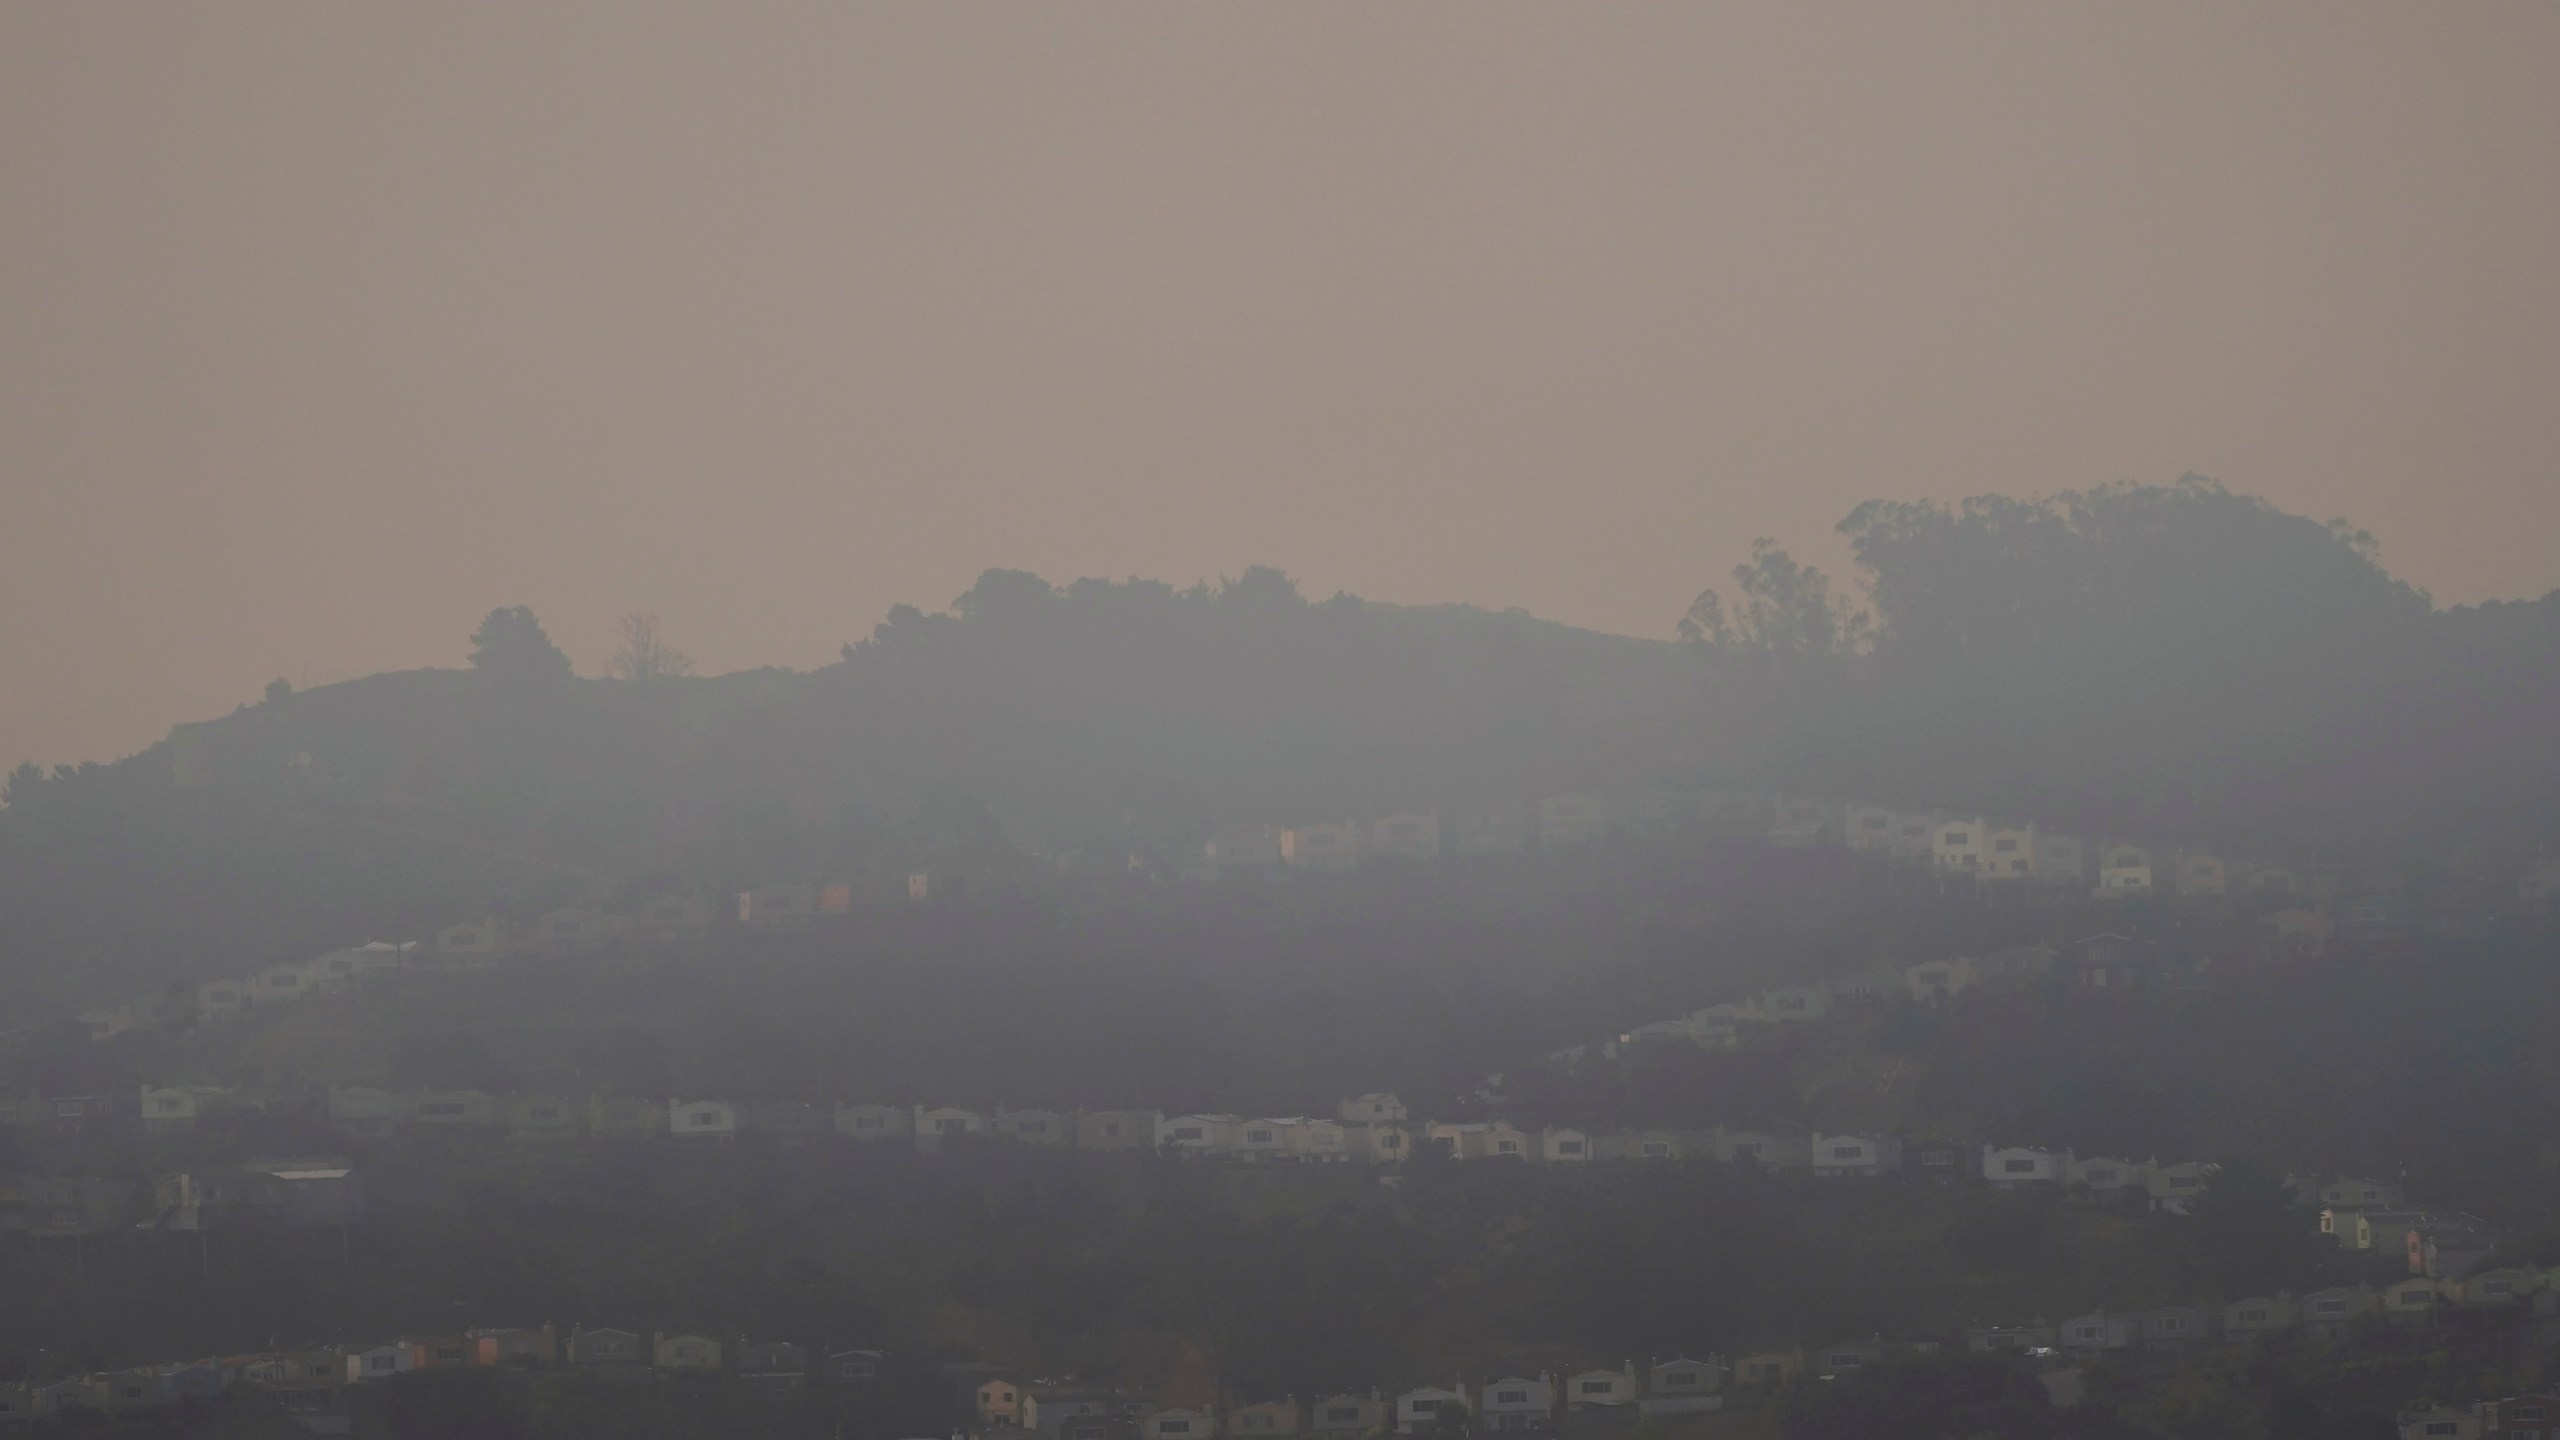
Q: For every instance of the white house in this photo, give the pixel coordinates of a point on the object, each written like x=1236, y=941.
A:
x=778, y=909
x=2061, y=860
x=2443, y=1422
x=939, y=1125
x=2009, y=853
x=2174, y=1187
x=1261, y=1139
x=1941, y=979
x=1869, y=827
x=1384, y=1143
x=1245, y=848
x=1331, y=845
x=875, y=1122
x=458, y=1110
x=380, y=1362
x=1856, y=1154
x=1346, y=1415
x=1565, y=1147
x=1418, y=1411
x=1796, y=823
x=702, y=1120
x=1914, y=837
x=571, y=932
x=2008, y=1167
x=671, y=919
x=1315, y=1140
x=1117, y=1129
x=1594, y=1388
x=1035, y=1127
x=1405, y=837
x=1791, y=1002
x=280, y=982
x=364, y=1111
x=1654, y=1145
x=1369, y=1109
x=1956, y=847
x=2098, y=1331
x=221, y=999
x=471, y=945
x=1176, y=1423
x=2201, y=874
x=2124, y=870
x=1517, y=1402
x=2099, y=1175
x=1682, y=1386
x=1197, y=1134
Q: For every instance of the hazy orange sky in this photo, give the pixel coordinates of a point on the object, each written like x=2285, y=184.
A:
x=326, y=328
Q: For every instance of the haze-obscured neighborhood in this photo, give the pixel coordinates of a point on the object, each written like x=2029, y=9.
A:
x=2084, y=973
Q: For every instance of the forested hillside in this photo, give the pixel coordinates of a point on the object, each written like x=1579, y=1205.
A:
x=2176, y=663
x=2141, y=660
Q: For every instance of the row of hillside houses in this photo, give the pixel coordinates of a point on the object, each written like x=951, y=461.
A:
x=1373, y=1128
x=310, y=1384
x=488, y=941
x=1519, y=1403
x=1948, y=847
x=1557, y=822
x=2097, y=964
x=2012, y=851
x=1723, y=1025
x=291, y=1191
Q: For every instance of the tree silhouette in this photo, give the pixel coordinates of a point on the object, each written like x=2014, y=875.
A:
x=644, y=656
x=511, y=648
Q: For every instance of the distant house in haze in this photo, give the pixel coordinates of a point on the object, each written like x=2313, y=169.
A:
x=365, y=1112
x=1346, y=1415
x=1245, y=848
x=702, y=1120
x=2060, y=860
x=2009, y=852
x=684, y=1352
x=2124, y=870
x=671, y=919
x=1940, y=979
x=1914, y=837
x=471, y=945
x=2200, y=874
x=937, y=1126
x=1371, y=1108
x=2009, y=1167
x=1495, y=829
x=1117, y=1129
x=875, y=1122
x=458, y=1110
x=1957, y=847
x=1404, y=837
x=602, y=1348
x=1869, y=828
x=1515, y=1403
x=625, y=1117
x=1858, y=1155
x=1571, y=819
x=569, y=933
x=1035, y=1127
x=1329, y=845
x=1797, y=823
x=544, y=1117
x=778, y=910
